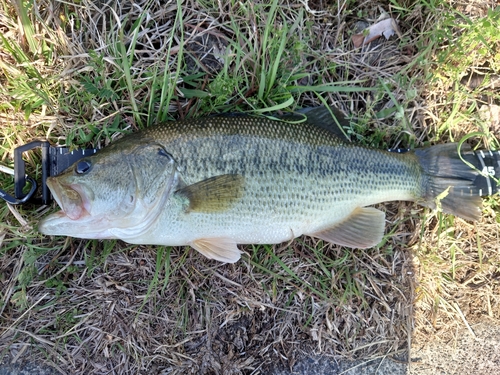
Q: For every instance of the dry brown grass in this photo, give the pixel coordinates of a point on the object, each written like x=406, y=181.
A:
x=90, y=307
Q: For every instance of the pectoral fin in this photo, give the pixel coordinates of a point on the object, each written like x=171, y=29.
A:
x=221, y=249
x=213, y=194
x=362, y=229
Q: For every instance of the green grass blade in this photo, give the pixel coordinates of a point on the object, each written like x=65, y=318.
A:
x=271, y=17
x=126, y=65
x=29, y=33
x=332, y=87
x=276, y=107
x=277, y=60
x=169, y=82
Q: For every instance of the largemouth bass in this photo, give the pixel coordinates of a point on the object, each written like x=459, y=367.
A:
x=216, y=182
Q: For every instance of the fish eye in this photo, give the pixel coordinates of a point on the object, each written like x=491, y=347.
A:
x=83, y=166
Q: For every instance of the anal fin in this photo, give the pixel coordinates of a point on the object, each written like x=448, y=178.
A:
x=220, y=248
x=364, y=228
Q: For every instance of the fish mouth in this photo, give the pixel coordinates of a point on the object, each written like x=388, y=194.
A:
x=75, y=208
x=75, y=218
x=71, y=198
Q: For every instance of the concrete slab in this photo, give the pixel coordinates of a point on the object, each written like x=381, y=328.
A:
x=476, y=353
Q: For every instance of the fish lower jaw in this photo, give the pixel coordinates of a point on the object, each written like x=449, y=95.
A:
x=91, y=227
x=60, y=224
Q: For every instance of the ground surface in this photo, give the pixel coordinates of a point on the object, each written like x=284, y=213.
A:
x=474, y=352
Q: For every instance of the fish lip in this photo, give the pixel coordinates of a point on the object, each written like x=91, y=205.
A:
x=59, y=224
x=71, y=198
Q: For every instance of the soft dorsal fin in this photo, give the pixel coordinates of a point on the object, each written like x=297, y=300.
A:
x=221, y=249
x=213, y=194
x=322, y=117
x=364, y=228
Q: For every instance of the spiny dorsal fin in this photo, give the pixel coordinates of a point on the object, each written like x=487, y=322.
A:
x=213, y=194
x=221, y=249
x=364, y=228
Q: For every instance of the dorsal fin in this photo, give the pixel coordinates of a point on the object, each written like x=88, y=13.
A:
x=329, y=118
x=322, y=117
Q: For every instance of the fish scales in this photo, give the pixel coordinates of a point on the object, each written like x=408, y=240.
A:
x=222, y=146
x=219, y=181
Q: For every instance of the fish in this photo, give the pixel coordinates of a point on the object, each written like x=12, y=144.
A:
x=217, y=182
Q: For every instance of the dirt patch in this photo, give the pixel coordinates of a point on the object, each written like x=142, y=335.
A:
x=471, y=350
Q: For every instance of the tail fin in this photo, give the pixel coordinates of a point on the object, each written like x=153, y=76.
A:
x=456, y=185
